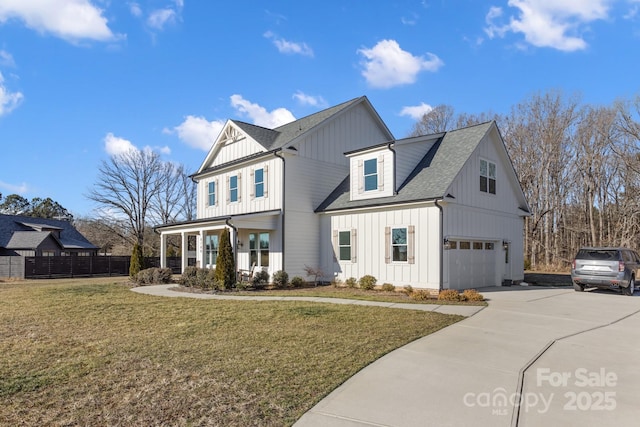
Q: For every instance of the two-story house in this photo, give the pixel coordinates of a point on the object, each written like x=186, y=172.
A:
x=335, y=191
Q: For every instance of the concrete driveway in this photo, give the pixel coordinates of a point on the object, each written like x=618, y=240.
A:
x=535, y=357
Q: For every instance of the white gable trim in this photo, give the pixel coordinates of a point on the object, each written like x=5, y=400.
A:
x=229, y=134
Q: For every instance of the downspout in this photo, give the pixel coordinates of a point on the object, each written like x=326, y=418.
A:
x=284, y=199
x=389, y=146
x=441, y=245
x=235, y=244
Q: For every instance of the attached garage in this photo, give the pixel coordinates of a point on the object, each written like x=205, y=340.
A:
x=473, y=264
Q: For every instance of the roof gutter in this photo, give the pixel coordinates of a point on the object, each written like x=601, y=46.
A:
x=441, y=244
x=284, y=200
x=393, y=152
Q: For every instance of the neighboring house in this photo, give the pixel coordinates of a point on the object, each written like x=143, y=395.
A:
x=335, y=191
x=29, y=236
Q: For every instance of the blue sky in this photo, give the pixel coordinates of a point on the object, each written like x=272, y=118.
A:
x=83, y=79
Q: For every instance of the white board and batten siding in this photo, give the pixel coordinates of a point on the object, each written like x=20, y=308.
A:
x=233, y=150
x=247, y=202
x=351, y=130
x=384, y=168
x=371, y=246
x=317, y=168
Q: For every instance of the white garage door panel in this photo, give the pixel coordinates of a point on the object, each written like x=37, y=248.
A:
x=474, y=267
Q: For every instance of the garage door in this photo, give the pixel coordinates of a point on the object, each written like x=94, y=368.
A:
x=472, y=264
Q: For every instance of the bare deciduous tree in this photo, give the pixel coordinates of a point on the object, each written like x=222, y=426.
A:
x=127, y=185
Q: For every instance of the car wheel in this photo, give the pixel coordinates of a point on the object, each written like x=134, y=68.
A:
x=629, y=290
x=578, y=287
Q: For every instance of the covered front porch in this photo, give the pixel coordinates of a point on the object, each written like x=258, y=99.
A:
x=255, y=240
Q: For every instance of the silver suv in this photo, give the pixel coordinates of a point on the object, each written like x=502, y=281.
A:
x=605, y=268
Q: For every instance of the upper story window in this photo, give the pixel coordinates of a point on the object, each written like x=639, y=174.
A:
x=233, y=188
x=212, y=193
x=258, y=178
x=487, y=176
x=370, y=174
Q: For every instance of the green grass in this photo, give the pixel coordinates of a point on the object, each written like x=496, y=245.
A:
x=91, y=352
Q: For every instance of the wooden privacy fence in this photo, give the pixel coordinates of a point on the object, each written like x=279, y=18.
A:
x=75, y=266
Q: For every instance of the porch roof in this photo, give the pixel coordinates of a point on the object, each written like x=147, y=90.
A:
x=245, y=220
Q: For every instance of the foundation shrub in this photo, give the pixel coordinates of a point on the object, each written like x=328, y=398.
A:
x=367, y=282
x=471, y=295
x=260, y=279
x=420, y=295
x=449, y=295
x=351, y=282
x=297, y=282
x=280, y=279
x=388, y=287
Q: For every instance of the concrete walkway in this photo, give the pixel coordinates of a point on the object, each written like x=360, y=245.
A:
x=533, y=357
x=166, y=291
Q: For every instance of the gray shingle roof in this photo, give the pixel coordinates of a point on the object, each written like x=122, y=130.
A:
x=70, y=238
x=282, y=136
x=429, y=180
x=27, y=239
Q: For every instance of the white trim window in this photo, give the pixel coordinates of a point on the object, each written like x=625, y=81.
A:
x=487, y=176
x=344, y=245
x=234, y=188
x=370, y=170
x=212, y=193
x=259, y=249
x=400, y=244
x=258, y=182
x=212, y=243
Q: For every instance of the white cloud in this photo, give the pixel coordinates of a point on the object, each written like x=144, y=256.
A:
x=6, y=59
x=549, y=23
x=114, y=145
x=198, y=132
x=259, y=115
x=285, y=46
x=387, y=65
x=135, y=9
x=71, y=20
x=161, y=17
x=416, y=112
x=314, y=101
x=21, y=188
x=8, y=100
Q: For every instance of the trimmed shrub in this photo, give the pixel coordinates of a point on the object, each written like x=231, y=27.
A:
x=351, y=282
x=420, y=295
x=388, y=287
x=225, y=276
x=153, y=275
x=137, y=260
x=367, y=282
x=297, y=282
x=202, y=278
x=408, y=290
x=449, y=295
x=280, y=279
x=471, y=295
x=188, y=277
x=161, y=275
x=260, y=279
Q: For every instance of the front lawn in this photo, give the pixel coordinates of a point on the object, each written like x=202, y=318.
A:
x=91, y=352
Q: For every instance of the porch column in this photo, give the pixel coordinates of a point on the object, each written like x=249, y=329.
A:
x=185, y=250
x=163, y=250
x=203, y=249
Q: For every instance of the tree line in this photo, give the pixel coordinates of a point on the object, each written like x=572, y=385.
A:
x=578, y=165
